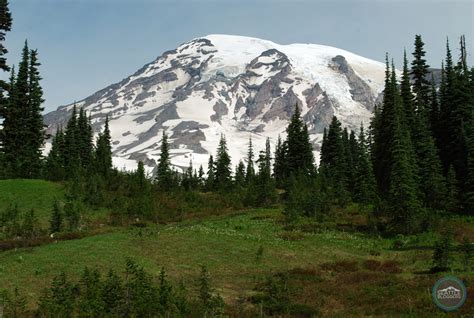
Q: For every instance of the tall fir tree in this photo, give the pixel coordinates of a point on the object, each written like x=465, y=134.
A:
x=84, y=140
x=264, y=183
x=407, y=96
x=211, y=174
x=223, y=172
x=35, y=125
x=434, y=115
x=405, y=208
x=280, y=164
x=419, y=71
x=16, y=119
x=71, y=149
x=334, y=160
x=103, y=153
x=382, y=131
x=5, y=26
x=299, y=155
x=163, y=171
x=365, y=190
x=54, y=166
x=462, y=116
x=56, y=221
x=250, y=172
x=240, y=174
x=10, y=124
x=429, y=165
x=445, y=129
x=452, y=199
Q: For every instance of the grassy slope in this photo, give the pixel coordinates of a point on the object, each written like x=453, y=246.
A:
x=322, y=274
x=37, y=194
x=228, y=246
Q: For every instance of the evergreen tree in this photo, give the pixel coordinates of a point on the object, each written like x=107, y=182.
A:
x=211, y=175
x=84, y=140
x=54, y=167
x=103, y=153
x=140, y=203
x=72, y=214
x=223, y=168
x=240, y=174
x=349, y=143
x=15, y=125
x=419, y=71
x=407, y=96
x=299, y=155
x=403, y=195
x=429, y=166
x=364, y=180
x=181, y=300
x=334, y=160
x=434, y=116
x=58, y=301
x=9, y=114
x=201, y=178
x=264, y=183
x=112, y=293
x=141, y=182
x=5, y=26
x=382, y=131
x=456, y=108
x=163, y=172
x=34, y=121
x=56, y=220
x=442, y=253
x=462, y=118
x=469, y=187
x=188, y=181
x=467, y=251
x=15, y=305
x=451, y=201
x=250, y=173
x=305, y=198
x=91, y=302
x=212, y=304
x=165, y=292
x=280, y=163
x=142, y=296
x=71, y=150
x=446, y=126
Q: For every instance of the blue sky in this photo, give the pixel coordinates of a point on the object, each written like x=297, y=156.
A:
x=85, y=45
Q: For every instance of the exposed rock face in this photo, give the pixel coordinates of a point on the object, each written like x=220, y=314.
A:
x=230, y=85
x=360, y=91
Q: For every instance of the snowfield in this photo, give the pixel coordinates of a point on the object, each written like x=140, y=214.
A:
x=236, y=86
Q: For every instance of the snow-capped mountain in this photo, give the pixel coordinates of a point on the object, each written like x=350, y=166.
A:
x=237, y=86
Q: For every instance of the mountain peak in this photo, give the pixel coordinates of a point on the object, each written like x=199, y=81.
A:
x=234, y=85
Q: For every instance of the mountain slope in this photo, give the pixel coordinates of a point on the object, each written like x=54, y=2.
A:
x=231, y=85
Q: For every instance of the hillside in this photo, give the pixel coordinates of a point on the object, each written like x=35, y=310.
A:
x=31, y=194
x=330, y=271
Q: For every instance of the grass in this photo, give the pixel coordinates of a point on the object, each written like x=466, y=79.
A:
x=332, y=268
x=240, y=251
x=31, y=194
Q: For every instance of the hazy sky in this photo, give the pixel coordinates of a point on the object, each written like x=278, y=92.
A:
x=85, y=45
